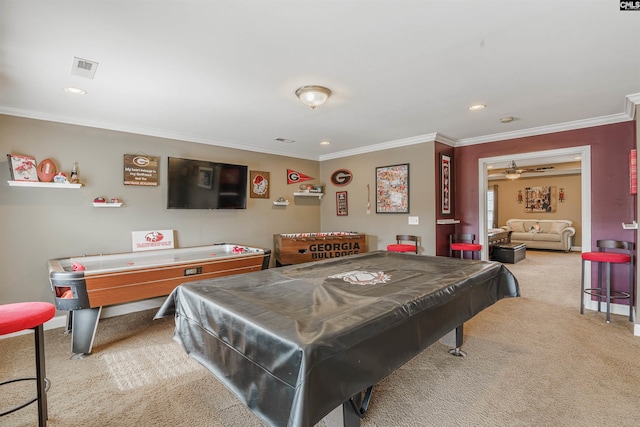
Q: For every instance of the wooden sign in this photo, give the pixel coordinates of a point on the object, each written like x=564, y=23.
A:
x=259, y=185
x=141, y=170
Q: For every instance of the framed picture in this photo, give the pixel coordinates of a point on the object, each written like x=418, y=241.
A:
x=392, y=189
x=259, y=184
x=540, y=199
x=22, y=168
x=445, y=179
x=342, y=204
x=205, y=177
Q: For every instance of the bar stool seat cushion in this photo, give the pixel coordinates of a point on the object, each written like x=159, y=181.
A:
x=24, y=315
x=606, y=257
x=401, y=247
x=466, y=247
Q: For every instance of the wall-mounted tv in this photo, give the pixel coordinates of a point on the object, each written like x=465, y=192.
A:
x=200, y=184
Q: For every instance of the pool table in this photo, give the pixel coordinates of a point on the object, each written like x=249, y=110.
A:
x=301, y=342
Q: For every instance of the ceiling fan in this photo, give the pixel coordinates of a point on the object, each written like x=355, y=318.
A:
x=514, y=172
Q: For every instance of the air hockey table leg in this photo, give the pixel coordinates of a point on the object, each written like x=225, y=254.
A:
x=350, y=412
x=83, y=331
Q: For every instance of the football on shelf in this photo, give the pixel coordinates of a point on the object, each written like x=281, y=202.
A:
x=99, y=200
x=46, y=170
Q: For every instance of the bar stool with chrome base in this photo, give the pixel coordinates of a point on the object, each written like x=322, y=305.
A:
x=462, y=243
x=29, y=315
x=404, y=247
x=624, y=255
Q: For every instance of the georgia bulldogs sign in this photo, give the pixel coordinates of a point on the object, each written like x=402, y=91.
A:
x=294, y=177
x=341, y=177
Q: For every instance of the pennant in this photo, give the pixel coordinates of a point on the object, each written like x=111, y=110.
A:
x=294, y=177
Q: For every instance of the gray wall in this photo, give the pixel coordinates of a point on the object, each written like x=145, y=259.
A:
x=37, y=224
x=381, y=229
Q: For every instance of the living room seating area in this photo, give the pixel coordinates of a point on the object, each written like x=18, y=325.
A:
x=555, y=234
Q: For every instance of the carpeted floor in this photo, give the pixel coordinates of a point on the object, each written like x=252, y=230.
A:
x=532, y=361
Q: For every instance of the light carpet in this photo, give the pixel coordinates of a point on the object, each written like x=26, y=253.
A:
x=532, y=361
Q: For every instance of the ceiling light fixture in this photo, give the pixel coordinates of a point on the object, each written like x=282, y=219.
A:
x=477, y=107
x=512, y=175
x=325, y=143
x=506, y=119
x=512, y=171
x=75, y=90
x=313, y=96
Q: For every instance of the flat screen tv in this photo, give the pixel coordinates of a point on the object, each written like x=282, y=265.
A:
x=200, y=184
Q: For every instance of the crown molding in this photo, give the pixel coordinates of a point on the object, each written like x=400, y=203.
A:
x=560, y=127
x=630, y=104
x=420, y=139
x=158, y=133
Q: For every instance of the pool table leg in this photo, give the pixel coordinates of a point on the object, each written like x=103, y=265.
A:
x=459, y=339
x=83, y=330
x=350, y=412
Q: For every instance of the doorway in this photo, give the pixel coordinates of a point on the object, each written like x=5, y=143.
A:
x=585, y=182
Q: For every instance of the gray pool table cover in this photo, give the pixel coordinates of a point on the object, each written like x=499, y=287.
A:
x=295, y=342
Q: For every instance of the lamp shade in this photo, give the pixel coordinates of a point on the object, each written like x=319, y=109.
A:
x=512, y=175
x=313, y=96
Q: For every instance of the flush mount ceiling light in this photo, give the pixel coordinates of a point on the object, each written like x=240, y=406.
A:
x=506, y=119
x=313, y=96
x=477, y=107
x=75, y=90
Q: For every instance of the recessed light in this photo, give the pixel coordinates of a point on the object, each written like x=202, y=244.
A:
x=506, y=119
x=75, y=90
x=477, y=107
x=325, y=143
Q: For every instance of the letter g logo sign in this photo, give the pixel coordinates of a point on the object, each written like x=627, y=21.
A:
x=341, y=177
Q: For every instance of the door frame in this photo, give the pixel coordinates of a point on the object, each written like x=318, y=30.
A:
x=585, y=183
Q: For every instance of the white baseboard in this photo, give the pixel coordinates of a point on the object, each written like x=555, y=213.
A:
x=111, y=311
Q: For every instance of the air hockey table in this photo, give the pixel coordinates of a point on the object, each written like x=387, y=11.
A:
x=82, y=285
x=301, y=343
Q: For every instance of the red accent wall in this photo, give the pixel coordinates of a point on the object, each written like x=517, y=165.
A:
x=611, y=203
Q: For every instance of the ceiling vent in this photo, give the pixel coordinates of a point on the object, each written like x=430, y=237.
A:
x=84, y=68
x=289, y=141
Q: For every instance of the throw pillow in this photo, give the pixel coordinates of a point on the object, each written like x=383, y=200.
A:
x=557, y=227
x=517, y=226
x=545, y=227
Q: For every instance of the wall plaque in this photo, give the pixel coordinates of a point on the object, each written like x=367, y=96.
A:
x=140, y=169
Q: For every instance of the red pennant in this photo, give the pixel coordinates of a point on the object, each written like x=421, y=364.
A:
x=294, y=177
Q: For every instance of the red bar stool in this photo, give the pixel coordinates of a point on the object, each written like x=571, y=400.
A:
x=29, y=315
x=404, y=247
x=624, y=255
x=462, y=243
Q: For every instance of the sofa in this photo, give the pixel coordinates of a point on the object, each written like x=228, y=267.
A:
x=542, y=233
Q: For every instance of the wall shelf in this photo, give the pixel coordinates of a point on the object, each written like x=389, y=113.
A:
x=43, y=184
x=447, y=221
x=318, y=195
x=107, y=205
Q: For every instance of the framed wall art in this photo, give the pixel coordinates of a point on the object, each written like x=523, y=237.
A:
x=342, y=203
x=392, y=189
x=445, y=180
x=259, y=185
x=540, y=199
